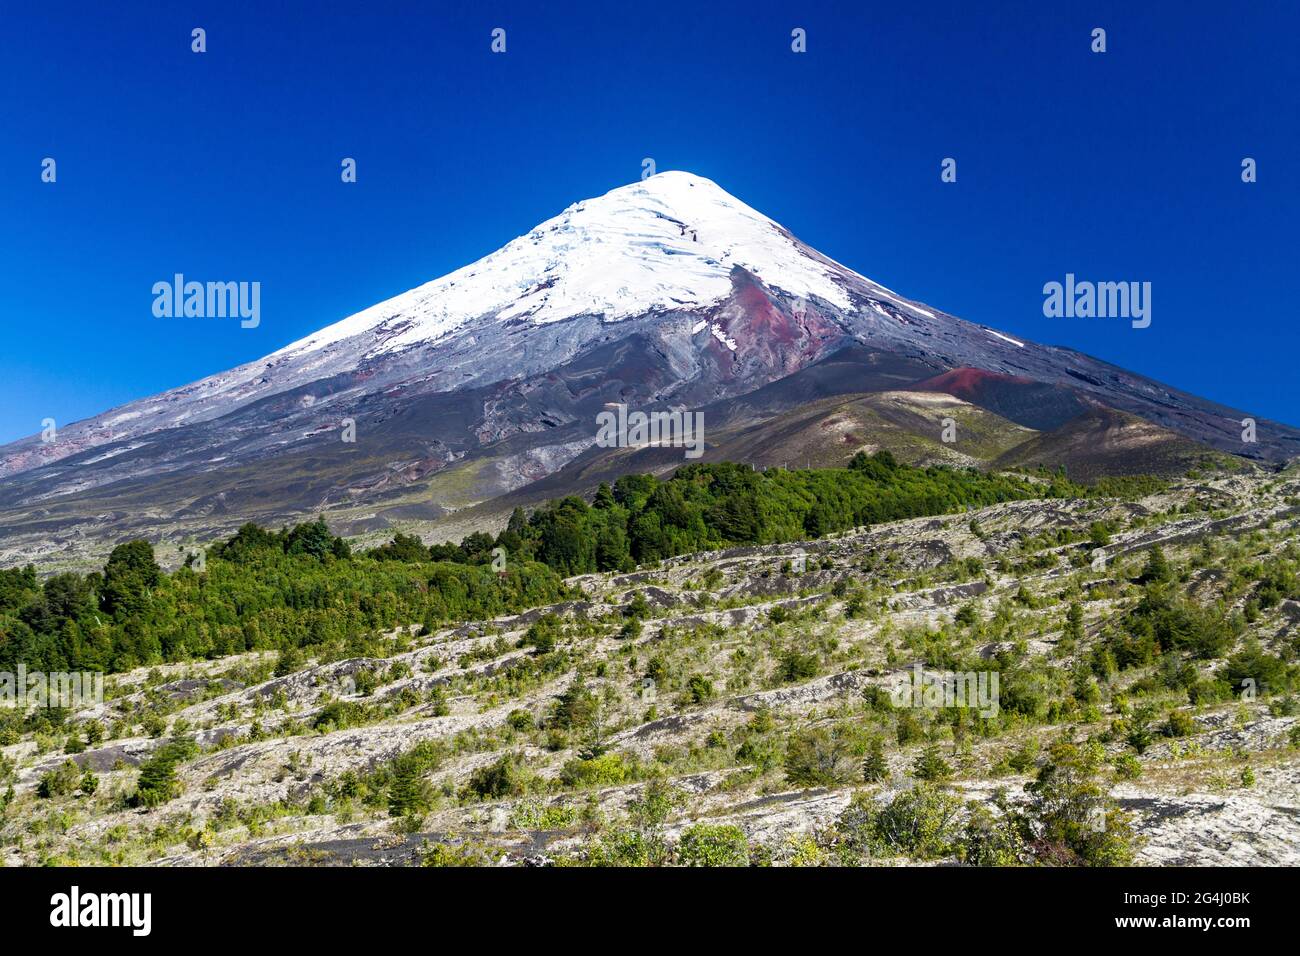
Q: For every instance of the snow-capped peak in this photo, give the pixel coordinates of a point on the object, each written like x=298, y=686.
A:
x=669, y=241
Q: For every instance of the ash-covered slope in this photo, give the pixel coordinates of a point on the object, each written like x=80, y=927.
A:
x=664, y=293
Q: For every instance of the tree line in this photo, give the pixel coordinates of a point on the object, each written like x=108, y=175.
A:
x=304, y=587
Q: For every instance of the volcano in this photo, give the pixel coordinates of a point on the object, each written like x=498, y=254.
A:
x=664, y=294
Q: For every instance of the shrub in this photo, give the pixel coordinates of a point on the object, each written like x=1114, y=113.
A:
x=606, y=770
x=543, y=634
x=1252, y=663
x=642, y=843
x=535, y=815
x=638, y=607
x=991, y=840
x=930, y=765
x=713, y=845
x=1179, y=724
x=1024, y=757
x=520, y=720
x=505, y=777
x=1209, y=691
x=794, y=666
x=921, y=822
x=817, y=757
x=699, y=689
x=874, y=767
x=1157, y=568
x=61, y=781
x=410, y=794
x=1128, y=767
x=621, y=846
x=456, y=854
x=158, y=782
x=340, y=715
x=365, y=681
x=1070, y=820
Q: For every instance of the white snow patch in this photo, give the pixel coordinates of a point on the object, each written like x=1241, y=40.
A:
x=722, y=336
x=1005, y=338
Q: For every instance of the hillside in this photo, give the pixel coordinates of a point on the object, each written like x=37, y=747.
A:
x=736, y=706
x=1101, y=442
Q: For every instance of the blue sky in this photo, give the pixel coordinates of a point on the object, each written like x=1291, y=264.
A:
x=225, y=165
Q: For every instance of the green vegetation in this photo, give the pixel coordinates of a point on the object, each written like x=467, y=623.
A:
x=158, y=782
x=630, y=727
x=299, y=588
x=701, y=507
x=713, y=845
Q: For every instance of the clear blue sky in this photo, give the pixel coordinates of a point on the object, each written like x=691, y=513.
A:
x=225, y=165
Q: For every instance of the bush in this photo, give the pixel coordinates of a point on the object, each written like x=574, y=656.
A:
x=1208, y=691
x=1252, y=663
x=340, y=715
x=456, y=854
x=991, y=840
x=1157, y=568
x=158, y=782
x=699, y=689
x=1128, y=767
x=61, y=781
x=713, y=845
x=543, y=634
x=793, y=667
x=874, y=767
x=817, y=757
x=1179, y=724
x=1070, y=820
x=930, y=765
x=505, y=777
x=1023, y=759
x=606, y=770
x=365, y=681
x=921, y=822
x=520, y=720
x=621, y=847
x=642, y=843
x=638, y=608
x=410, y=794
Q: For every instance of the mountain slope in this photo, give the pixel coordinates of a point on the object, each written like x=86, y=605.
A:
x=1021, y=400
x=668, y=293
x=1103, y=441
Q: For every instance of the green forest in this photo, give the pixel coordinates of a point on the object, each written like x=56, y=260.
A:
x=304, y=587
